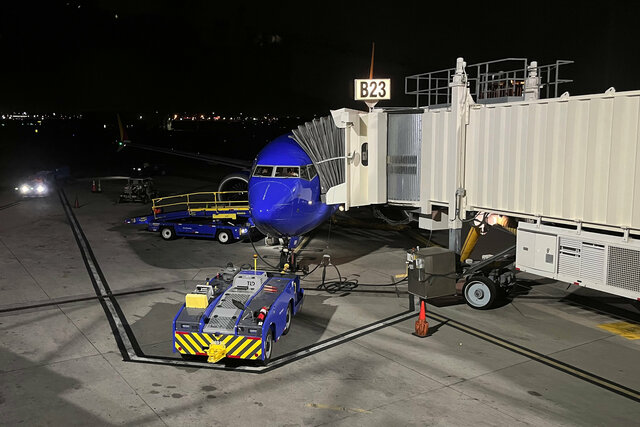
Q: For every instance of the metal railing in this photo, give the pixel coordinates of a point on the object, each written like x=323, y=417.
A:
x=486, y=81
x=215, y=202
x=551, y=75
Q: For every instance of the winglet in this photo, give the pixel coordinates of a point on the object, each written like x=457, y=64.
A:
x=373, y=49
x=123, y=135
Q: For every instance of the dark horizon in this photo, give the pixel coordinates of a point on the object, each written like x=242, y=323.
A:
x=99, y=56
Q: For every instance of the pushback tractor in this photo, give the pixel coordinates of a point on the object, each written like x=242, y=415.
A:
x=240, y=318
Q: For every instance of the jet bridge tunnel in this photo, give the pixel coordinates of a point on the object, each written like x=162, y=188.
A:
x=480, y=140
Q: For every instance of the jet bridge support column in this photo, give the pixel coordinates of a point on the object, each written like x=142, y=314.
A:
x=459, y=107
x=532, y=83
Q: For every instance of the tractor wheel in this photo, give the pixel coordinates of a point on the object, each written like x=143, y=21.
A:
x=480, y=292
x=287, y=325
x=268, y=347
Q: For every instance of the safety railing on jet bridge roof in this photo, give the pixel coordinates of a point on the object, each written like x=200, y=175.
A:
x=219, y=201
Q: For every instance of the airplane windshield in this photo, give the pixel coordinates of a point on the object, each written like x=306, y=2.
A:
x=263, y=171
x=288, y=171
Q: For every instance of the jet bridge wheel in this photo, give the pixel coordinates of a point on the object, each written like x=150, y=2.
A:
x=480, y=292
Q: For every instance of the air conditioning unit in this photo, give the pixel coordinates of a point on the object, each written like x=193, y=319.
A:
x=595, y=260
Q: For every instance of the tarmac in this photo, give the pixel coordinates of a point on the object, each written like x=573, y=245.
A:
x=86, y=305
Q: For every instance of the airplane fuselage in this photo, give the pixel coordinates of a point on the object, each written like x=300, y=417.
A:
x=284, y=191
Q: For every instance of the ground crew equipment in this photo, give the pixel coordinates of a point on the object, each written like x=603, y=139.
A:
x=241, y=320
x=200, y=215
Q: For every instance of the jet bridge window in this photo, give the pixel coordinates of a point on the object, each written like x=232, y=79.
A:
x=263, y=171
x=288, y=172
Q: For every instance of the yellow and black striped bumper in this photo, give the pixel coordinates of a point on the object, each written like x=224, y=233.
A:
x=237, y=347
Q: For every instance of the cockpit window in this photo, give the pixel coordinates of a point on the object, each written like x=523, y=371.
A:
x=288, y=171
x=308, y=172
x=303, y=173
x=311, y=171
x=263, y=170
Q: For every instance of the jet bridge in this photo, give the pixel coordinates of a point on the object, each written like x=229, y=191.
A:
x=480, y=139
x=491, y=143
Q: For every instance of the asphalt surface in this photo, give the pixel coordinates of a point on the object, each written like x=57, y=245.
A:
x=541, y=358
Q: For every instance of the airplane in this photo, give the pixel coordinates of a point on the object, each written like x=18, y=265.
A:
x=283, y=185
x=284, y=191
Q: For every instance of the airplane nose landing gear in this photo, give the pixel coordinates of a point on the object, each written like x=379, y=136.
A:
x=288, y=254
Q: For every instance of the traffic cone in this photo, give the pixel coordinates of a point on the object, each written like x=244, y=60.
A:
x=99, y=187
x=422, y=326
x=93, y=186
x=76, y=204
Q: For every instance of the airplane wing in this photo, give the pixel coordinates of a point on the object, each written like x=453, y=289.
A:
x=226, y=161
x=216, y=160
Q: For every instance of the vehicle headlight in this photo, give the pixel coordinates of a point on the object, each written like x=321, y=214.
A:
x=41, y=188
x=243, y=231
x=24, y=188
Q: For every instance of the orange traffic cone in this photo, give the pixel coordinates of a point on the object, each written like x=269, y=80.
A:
x=422, y=326
x=76, y=204
x=93, y=186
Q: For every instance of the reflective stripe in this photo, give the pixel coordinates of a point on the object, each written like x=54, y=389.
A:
x=194, y=344
x=235, y=342
x=237, y=351
x=247, y=354
x=182, y=341
x=199, y=338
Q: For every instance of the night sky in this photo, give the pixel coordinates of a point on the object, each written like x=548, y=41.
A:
x=287, y=57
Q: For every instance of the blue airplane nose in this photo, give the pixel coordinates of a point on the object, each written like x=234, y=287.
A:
x=272, y=203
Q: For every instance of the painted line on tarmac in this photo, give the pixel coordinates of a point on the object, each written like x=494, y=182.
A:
x=72, y=300
x=131, y=351
x=339, y=339
x=630, y=331
x=110, y=306
x=10, y=205
x=126, y=341
x=538, y=357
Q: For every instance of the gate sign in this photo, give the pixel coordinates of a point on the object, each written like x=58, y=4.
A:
x=372, y=89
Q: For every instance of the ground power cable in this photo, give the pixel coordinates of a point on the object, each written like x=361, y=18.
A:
x=260, y=256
